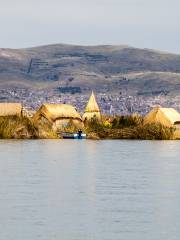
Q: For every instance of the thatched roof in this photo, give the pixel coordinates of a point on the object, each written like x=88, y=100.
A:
x=92, y=105
x=52, y=112
x=10, y=109
x=165, y=116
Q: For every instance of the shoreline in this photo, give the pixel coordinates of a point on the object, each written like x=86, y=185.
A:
x=120, y=128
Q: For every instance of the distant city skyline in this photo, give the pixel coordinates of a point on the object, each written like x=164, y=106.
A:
x=139, y=23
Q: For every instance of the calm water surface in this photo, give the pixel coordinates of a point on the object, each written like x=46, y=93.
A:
x=89, y=190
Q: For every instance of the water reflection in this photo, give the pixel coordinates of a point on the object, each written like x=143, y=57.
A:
x=89, y=190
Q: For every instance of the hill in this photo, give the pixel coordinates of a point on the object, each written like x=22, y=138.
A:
x=72, y=68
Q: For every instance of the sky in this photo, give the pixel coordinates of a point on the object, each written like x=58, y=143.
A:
x=153, y=24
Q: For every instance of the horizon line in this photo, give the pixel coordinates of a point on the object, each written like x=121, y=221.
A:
x=91, y=45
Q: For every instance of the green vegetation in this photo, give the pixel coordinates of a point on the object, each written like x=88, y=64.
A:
x=128, y=127
x=118, y=127
x=16, y=127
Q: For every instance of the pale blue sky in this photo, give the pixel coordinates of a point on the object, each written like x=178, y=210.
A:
x=140, y=23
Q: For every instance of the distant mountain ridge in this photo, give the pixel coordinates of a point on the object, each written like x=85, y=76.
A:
x=104, y=68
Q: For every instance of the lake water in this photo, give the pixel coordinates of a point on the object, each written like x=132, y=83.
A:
x=89, y=190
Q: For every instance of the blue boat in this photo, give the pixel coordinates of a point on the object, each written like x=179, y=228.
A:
x=78, y=135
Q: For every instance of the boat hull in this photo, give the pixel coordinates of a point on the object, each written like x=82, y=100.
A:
x=73, y=136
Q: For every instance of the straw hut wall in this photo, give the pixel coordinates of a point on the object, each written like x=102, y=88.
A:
x=87, y=116
x=59, y=115
x=168, y=117
x=92, y=109
x=10, y=109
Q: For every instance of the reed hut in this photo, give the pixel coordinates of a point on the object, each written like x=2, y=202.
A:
x=92, y=109
x=168, y=117
x=58, y=115
x=10, y=109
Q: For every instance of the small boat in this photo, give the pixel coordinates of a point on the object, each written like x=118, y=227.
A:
x=78, y=135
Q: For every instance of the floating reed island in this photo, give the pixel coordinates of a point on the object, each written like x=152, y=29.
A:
x=51, y=119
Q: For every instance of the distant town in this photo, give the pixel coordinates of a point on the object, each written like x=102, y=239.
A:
x=124, y=79
x=109, y=103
